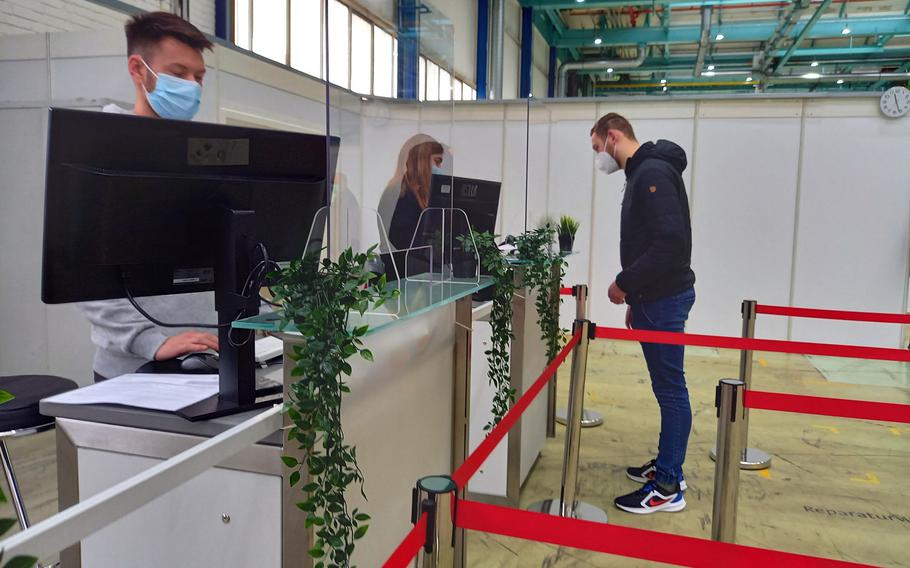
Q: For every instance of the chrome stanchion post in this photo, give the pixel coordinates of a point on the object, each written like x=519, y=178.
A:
x=436, y=495
x=568, y=505
x=752, y=458
x=551, y=386
x=589, y=418
x=730, y=413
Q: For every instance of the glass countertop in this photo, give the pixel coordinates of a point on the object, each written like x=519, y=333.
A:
x=417, y=296
x=515, y=261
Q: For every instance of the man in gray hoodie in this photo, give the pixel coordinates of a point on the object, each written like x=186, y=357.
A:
x=166, y=66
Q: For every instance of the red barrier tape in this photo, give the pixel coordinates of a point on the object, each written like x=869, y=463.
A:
x=741, y=343
x=565, y=292
x=626, y=541
x=410, y=546
x=832, y=314
x=483, y=451
x=861, y=409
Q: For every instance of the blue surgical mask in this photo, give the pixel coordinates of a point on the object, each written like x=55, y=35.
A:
x=436, y=170
x=174, y=97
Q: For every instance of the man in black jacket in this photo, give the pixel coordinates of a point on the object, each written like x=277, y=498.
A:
x=657, y=283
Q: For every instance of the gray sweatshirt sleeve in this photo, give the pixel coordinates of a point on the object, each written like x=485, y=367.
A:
x=118, y=327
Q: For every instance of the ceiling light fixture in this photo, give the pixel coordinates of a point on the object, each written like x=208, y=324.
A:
x=610, y=70
x=845, y=31
x=710, y=68
x=719, y=37
x=811, y=76
x=663, y=81
x=840, y=81
x=748, y=79
x=814, y=64
x=665, y=89
x=708, y=73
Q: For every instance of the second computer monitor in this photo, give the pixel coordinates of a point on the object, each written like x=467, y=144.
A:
x=478, y=198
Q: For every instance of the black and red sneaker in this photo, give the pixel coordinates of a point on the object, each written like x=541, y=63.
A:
x=651, y=499
x=646, y=473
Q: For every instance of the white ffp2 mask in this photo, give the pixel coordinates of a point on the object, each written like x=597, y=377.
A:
x=606, y=163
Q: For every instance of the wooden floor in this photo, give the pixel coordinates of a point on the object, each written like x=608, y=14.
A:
x=838, y=488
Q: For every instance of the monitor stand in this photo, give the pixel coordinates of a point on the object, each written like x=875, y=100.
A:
x=236, y=355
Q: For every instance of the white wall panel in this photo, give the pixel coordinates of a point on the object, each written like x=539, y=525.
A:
x=571, y=178
x=745, y=194
x=384, y=140
x=91, y=78
x=23, y=337
x=30, y=83
x=244, y=94
x=852, y=249
x=477, y=149
x=511, y=219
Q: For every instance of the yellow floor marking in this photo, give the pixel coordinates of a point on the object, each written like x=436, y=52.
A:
x=766, y=473
x=762, y=362
x=831, y=429
x=895, y=430
x=870, y=478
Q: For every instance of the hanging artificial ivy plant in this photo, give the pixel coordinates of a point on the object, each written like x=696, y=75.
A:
x=544, y=270
x=318, y=299
x=499, y=373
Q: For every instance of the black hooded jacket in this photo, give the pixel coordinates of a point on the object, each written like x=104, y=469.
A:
x=655, y=233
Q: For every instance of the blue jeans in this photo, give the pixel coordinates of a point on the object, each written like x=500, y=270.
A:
x=668, y=380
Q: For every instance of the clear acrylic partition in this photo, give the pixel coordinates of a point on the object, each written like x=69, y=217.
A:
x=442, y=247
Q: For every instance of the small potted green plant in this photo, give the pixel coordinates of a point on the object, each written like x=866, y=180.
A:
x=567, y=228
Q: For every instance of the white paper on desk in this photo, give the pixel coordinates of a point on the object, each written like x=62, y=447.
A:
x=152, y=391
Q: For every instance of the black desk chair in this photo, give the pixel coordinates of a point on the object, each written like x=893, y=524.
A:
x=20, y=417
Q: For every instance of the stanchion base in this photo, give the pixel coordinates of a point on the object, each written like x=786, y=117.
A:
x=583, y=511
x=589, y=418
x=755, y=459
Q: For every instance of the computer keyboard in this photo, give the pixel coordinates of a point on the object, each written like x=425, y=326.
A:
x=268, y=348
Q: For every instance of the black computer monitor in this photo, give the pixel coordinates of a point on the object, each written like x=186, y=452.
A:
x=137, y=207
x=478, y=198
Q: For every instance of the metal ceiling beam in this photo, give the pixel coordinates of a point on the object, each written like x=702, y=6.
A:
x=572, y=4
x=675, y=64
x=822, y=8
x=747, y=31
x=560, y=28
x=788, y=20
x=704, y=40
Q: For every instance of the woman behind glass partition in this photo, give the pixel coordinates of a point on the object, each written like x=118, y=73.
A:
x=423, y=161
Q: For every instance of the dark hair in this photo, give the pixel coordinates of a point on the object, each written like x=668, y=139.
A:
x=146, y=30
x=613, y=121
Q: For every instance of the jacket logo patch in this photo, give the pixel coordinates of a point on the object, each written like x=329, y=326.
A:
x=653, y=189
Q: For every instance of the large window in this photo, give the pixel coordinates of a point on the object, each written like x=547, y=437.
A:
x=270, y=30
x=363, y=55
x=382, y=63
x=422, y=78
x=307, y=36
x=432, y=81
x=339, y=46
x=242, y=12
x=445, y=85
